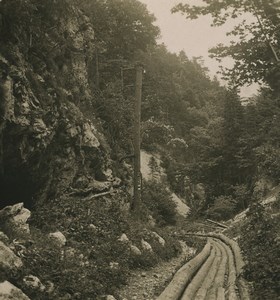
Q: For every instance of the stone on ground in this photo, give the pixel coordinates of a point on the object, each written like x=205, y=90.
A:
x=146, y=246
x=33, y=283
x=58, y=237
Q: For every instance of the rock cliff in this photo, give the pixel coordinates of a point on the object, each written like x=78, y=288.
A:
x=50, y=140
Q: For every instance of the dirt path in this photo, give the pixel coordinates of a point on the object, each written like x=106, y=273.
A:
x=146, y=285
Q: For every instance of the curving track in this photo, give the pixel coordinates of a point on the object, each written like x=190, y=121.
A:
x=214, y=274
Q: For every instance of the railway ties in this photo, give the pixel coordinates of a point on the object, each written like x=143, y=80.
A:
x=213, y=274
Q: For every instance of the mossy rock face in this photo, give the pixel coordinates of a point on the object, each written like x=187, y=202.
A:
x=49, y=135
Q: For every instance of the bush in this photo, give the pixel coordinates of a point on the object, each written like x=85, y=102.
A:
x=89, y=272
x=224, y=208
x=158, y=200
x=137, y=232
x=144, y=261
x=260, y=241
x=268, y=159
x=195, y=242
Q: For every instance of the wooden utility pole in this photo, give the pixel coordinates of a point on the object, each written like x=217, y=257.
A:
x=97, y=76
x=137, y=141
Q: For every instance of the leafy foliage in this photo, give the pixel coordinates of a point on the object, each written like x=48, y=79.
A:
x=260, y=244
x=122, y=27
x=223, y=208
x=257, y=47
x=268, y=158
x=159, y=202
x=202, y=129
x=115, y=111
x=93, y=250
x=95, y=246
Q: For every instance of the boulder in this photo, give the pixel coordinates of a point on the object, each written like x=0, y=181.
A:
x=21, y=218
x=33, y=283
x=9, y=262
x=146, y=246
x=123, y=238
x=158, y=238
x=58, y=237
x=10, y=292
x=16, y=216
x=135, y=250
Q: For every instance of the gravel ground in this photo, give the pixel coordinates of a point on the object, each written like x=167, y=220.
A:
x=147, y=285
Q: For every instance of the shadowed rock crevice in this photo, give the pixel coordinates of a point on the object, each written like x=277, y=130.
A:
x=16, y=185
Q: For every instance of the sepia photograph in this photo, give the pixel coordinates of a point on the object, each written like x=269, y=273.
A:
x=139, y=149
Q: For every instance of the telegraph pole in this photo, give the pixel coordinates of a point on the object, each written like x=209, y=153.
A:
x=137, y=140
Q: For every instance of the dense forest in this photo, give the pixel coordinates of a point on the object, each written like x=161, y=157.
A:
x=69, y=66
x=211, y=137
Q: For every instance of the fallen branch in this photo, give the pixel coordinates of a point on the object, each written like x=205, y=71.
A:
x=99, y=195
x=80, y=192
x=217, y=223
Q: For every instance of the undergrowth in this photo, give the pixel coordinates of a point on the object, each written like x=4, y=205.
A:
x=260, y=242
x=94, y=262
x=158, y=200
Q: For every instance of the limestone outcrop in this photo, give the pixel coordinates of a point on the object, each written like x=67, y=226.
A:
x=50, y=138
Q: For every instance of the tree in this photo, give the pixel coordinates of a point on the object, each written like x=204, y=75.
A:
x=233, y=129
x=256, y=52
x=121, y=27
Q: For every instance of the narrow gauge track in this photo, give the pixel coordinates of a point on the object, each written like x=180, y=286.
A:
x=214, y=274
